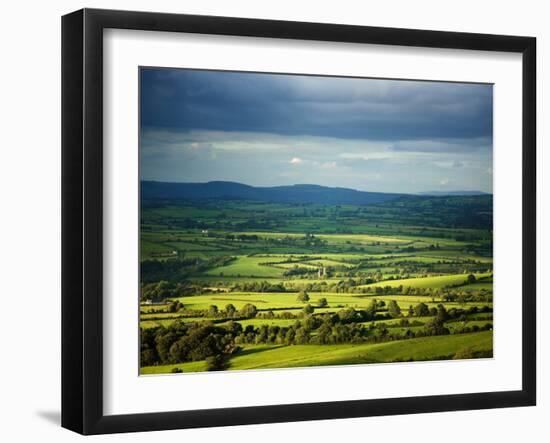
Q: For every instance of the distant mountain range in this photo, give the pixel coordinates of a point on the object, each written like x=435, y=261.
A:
x=153, y=190
x=456, y=193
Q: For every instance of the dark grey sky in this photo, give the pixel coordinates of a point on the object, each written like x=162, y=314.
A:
x=269, y=129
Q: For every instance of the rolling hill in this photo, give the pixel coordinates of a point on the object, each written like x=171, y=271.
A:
x=452, y=193
x=152, y=190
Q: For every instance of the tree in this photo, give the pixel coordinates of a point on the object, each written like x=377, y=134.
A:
x=436, y=327
x=216, y=363
x=174, y=306
x=213, y=311
x=322, y=302
x=324, y=334
x=164, y=342
x=310, y=322
x=303, y=297
x=442, y=315
x=371, y=309
x=302, y=336
x=262, y=334
x=249, y=311
x=289, y=337
x=421, y=310
x=308, y=309
x=148, y=357
x=471, y=279
x=449, y=297
x=394, y=309
x=347, y=314
x=230, y=310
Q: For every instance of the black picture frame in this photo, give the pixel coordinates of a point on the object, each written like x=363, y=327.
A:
x=82, y=218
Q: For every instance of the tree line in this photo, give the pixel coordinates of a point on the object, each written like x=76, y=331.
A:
x=183, y=342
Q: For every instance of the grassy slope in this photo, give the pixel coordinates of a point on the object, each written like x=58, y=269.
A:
x=428, y=282
x=287, y=301
x=264, y=357
x=247, y=266
x=265, y=300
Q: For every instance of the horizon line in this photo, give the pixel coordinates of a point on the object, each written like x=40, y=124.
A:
x=321, y=186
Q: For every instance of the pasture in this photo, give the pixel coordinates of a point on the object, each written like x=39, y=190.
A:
x=270, y=357
x=294, y=285
x=433, y=282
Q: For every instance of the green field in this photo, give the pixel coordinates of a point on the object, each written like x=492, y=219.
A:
x=436, y=282
x=247, y=267
x=234, y=285
x=418, y=349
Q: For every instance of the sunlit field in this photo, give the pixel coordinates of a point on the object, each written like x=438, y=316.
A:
x=233, y=285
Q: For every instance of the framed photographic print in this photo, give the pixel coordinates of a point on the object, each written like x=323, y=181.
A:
x=269, y=221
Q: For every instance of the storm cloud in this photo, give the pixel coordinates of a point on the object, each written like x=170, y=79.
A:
x=272, y=129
